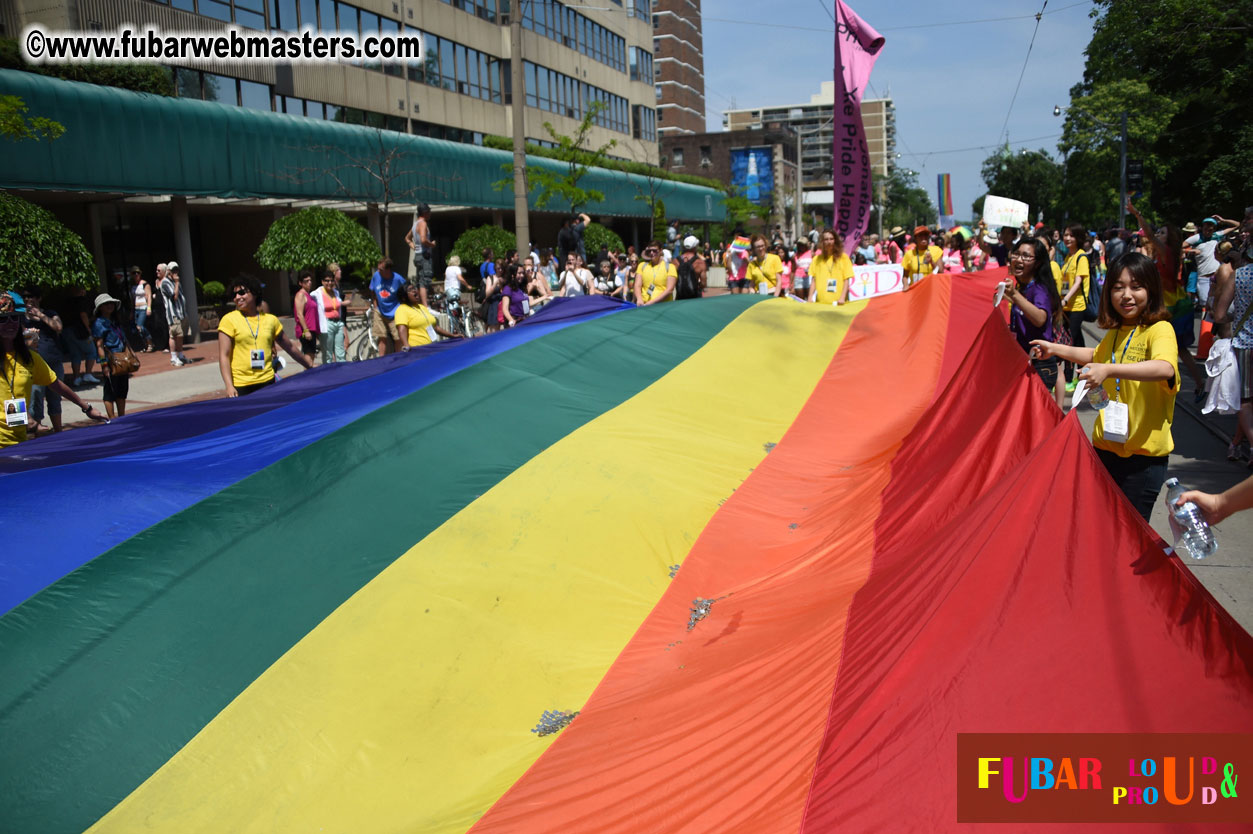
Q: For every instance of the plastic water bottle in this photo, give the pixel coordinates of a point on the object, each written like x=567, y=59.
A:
x=1192, y=531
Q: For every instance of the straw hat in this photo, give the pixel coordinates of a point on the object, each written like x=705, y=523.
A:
x=103, y=298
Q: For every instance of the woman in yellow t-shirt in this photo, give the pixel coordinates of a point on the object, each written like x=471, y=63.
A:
x=830, y=272
x=21, y=369
x=654, y=278
x=1137, y=367
x=764, y=268
x=1075, y=277
x=415, y=321
x=922, y=258
x=247, y=340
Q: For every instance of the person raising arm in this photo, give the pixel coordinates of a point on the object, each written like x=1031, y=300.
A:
x=1215, y=508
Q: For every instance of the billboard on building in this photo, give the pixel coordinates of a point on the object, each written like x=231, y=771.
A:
x=752, y=172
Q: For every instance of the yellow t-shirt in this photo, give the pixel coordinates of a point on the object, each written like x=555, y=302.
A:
x=420, y=321
x=765, y=271
x=1057, y=277
x=830, y=275
x=19, y=378
x=913, y=264
x=258, y=332
x=1150, y=405
x=1076, y=267
x=653, y=278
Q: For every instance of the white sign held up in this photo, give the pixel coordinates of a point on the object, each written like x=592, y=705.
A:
x=874, y=280
x=1002, y=211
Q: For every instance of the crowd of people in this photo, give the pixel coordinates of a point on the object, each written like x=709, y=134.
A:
x=1144, y=287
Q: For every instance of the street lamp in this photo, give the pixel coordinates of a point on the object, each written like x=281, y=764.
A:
x=1122, y=179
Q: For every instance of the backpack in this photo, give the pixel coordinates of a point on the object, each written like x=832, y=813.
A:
x=688, y=284
x=1093, y=298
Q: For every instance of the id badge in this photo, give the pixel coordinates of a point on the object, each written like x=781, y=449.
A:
x=833, y=286
x=15, y=412
x=258, y=359
x=1116, y=421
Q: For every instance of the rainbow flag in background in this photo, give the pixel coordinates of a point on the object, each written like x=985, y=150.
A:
x=944, y=191
x=525, y=584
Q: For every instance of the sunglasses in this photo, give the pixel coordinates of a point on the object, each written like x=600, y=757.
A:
x=241, y=292
x=7, y=318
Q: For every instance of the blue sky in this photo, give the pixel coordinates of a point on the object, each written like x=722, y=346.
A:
x=951, y=84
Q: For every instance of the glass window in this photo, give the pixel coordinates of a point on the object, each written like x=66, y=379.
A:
x=254, y=96
x=219, y=88
x=447, y=71
x=472, y=72
x=283, y=14
x=493, y=74
x=185, y=5
x=331, y=112
x=326, y=15
x=369, y=22
x=308, y=13
x=415, y=67
x=216, y=10
x=528, y=16
x=528, y=71
x=432, y=60
x=251, y=18
x=542, y=91
x=676, y=157
x=188, y=82
x=397, y=123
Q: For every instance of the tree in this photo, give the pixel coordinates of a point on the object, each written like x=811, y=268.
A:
x=740, y=212
x=1032, y=177
x=908, y=204
x=597, y=237
x=385, y=174
x=1183, y=70
x=16, y=125
x=470, y=245
x=36, y=249
x=577, y=156
x=142, y=78
x=314, y=237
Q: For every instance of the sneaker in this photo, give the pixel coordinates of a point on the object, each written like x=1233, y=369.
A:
x=183, y=358
x=89, y=379
x=1070, y=386
x=176, y=362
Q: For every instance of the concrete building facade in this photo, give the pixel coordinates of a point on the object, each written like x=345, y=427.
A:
x=572, y=55
x=678, y=50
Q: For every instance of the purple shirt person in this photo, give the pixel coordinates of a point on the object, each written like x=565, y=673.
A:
x=1025, y=331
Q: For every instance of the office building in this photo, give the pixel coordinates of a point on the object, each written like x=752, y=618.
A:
x=572, y=56
x=678, y=56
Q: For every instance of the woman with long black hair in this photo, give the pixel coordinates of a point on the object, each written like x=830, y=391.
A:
x=1036, y=309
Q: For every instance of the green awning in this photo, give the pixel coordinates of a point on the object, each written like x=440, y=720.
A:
x=117, y=141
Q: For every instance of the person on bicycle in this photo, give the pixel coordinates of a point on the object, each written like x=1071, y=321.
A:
x=454, y=280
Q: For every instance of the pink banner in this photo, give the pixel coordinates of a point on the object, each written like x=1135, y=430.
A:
x=857, y=45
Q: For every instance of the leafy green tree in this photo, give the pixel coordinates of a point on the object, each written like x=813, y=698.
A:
x=142, y=78
x=578, y=157
x=470, y=245
x=596, y=237
x=314, y=237
x=741, y=211
x=908, y=204
x=36, y=249
x=1183, y=70
x=1032, y=177
x=16, y=125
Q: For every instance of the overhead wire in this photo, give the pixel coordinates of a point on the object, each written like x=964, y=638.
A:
x=1039, y=16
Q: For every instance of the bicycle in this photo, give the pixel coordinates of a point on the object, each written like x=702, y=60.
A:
x=367, y=348
x=460, y=320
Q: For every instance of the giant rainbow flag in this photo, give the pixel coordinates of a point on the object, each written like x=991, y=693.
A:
x=727, y=565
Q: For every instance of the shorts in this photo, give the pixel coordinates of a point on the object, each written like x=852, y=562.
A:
x=245, y=390
x=1047, y=369
x=81, y=350
x=1244, y=364
x=116, y=387
x=384, y=328
x=1185, y=333
x=176, y=327
x=309, y=344
x=425, y=265
x=737, y=283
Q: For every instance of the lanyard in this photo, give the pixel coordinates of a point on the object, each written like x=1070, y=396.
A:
x=12, y=381
x=255, y=336
x=1117, y=381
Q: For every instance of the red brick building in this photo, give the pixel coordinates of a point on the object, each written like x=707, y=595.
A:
x=679, y=67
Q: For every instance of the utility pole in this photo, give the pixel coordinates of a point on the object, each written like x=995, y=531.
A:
x=521, y=216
